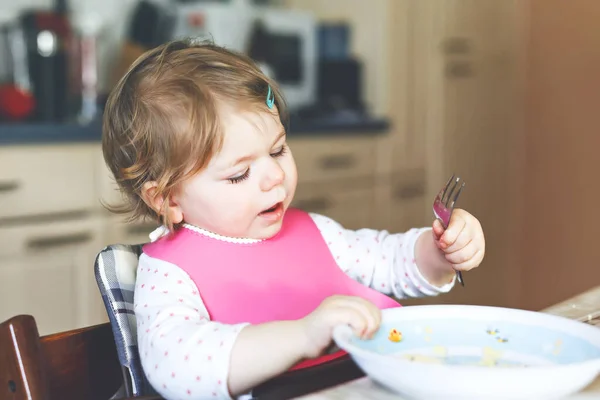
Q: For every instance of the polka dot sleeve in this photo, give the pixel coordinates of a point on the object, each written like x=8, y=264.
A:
x=378, y=259
x=184, y=355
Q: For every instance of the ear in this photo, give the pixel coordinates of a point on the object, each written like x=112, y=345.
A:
x=155, y=201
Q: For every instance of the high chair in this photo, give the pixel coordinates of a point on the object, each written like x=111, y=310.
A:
x=115, y=270
x=78, y=364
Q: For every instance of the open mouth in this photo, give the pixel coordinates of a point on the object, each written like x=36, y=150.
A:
x=277, y=208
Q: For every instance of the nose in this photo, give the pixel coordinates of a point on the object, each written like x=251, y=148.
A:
x=274, y=176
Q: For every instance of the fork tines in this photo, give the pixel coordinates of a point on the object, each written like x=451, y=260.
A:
x=452, y=190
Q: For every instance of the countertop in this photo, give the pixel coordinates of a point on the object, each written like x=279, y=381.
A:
x=50, y=133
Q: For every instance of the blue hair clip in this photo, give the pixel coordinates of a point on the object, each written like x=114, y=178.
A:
x=270, y=98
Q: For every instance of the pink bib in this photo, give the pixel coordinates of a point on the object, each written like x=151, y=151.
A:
x=282, y=278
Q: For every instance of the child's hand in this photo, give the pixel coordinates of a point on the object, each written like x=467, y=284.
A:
x=462, y=242
x=362, y=316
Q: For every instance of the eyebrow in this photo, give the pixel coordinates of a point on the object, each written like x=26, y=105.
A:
x=250, y=157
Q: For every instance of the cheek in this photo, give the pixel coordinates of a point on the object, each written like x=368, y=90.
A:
x=233, y=202
x=222, y=207
x=194, y=207
x=291, y=174
x=201, y=200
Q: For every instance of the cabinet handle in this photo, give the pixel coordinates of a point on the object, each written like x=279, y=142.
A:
x=9, y=186
x=456, y=46
x=338, y=161
x=459, y=69
x=315, y=204
x=410, y=191
x=43, y=243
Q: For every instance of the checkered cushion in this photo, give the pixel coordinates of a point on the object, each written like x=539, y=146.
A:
x=115, y=269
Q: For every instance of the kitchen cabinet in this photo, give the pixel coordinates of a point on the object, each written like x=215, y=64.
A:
x=351, y=206
x=29, y=174
x=407, y=202
x=46, y=269
x=334, y=159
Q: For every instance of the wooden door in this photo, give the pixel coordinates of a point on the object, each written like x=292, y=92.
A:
x=559, y=254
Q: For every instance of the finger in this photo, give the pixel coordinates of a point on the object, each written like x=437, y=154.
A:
x=375, y=312
x=438, y=229
x=355, y=319
x=369, y=312
x=472, y=263
x=378, y=317
x=367, y=309
x=464, y=238
x=452, y=232
x=463, y=255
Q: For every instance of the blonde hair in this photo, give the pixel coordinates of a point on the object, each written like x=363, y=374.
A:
x=161, y=120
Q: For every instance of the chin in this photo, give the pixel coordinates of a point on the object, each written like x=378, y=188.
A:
x=269, y=232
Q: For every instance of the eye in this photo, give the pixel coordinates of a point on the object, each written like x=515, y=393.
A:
x=279, y=152
x=240, y=178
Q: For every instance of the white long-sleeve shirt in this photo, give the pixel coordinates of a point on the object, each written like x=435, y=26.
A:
x=185, y=355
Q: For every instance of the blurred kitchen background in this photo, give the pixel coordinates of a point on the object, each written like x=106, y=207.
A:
x=388, y=99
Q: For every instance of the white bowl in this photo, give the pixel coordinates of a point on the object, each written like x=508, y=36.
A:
x=477, y=352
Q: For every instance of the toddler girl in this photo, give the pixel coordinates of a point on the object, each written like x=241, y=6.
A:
x=238, y=287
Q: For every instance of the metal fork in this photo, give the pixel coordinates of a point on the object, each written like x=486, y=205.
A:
x=443, y=205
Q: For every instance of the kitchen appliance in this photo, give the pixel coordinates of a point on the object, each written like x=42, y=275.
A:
x=340, y=75
x=340, y=85
x=281, y=40
x=17, y=100
x=48, y=38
